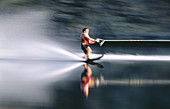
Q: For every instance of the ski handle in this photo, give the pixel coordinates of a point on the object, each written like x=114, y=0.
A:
x=100, y=41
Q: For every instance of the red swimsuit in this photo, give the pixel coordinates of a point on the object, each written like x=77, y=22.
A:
x=84, y=80
x=84, y=41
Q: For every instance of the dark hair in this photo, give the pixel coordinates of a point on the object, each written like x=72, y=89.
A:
x=84, y=29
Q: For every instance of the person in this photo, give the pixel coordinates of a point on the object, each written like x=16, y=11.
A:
x=87, y=81
x=85, y=41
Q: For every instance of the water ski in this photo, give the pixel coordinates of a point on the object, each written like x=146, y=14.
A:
x=91, y=61
x=96, y=58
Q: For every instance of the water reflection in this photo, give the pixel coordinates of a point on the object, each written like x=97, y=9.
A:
x=87, y=80
x=133, y=82
x=109, y=78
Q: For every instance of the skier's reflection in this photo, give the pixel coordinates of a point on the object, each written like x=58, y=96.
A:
x=87, y=81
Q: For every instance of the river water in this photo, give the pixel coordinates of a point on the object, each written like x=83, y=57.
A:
x=41, y=60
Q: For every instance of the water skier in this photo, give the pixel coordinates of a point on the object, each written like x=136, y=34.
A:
x=85, y=41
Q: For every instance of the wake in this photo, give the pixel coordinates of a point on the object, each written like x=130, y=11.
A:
x=128, y=57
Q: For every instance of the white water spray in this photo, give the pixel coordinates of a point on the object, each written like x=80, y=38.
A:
x=23, y=37
x=59, y=50
x=59, y=73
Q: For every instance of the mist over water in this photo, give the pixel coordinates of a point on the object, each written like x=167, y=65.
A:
x=23, y=37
